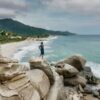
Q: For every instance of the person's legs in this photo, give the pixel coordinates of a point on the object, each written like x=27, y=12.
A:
x=42, y=56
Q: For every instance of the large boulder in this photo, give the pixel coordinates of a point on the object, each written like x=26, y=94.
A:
x=34, y=85
x=7, y=73
x=75, y=81
x=77, y=61
x=40, y=81
x=67, y=71
x=44, y=66
x=25, y=92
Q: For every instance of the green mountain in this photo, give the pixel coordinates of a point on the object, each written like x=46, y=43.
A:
x=19, y=28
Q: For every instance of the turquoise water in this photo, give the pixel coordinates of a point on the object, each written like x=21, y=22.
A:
x=61, y=47
x=65, y=46
x=88, y=46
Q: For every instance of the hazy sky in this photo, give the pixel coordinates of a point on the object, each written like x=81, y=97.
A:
x=78, y=16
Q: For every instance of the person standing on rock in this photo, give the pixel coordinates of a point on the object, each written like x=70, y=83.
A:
x=41, y=47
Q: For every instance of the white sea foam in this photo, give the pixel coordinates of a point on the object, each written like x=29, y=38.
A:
x=34, y=47
x=95, y=67
x=52, y=37
x=31, y=47
x=24, y=50
x=95, y=87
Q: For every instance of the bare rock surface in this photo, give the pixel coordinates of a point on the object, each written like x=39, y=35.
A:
x=44, y=66
x=17, y=82
x=75, y=81
x=78, y=61
x=90, y=97
x=67, y=71
x=40, y=81
x=67, y=80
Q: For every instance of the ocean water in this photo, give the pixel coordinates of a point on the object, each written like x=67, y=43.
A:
x=60, y=47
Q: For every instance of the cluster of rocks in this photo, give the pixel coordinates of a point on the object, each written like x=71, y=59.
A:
x=77, y=77
x=68, y=79
x=18, y=82
x=71, y=75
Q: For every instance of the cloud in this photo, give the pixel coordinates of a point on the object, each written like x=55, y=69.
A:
x=12, y=4
x=11, y=8
x=74, y=15
x=77, y=6
x=6, y=13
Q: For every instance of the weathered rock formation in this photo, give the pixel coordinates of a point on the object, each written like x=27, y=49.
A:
x=19, y=83
x=87, y=73
x=67, y=80
x=67, y=71
x=77, y=77
x=75, y=81
x=78, y=61
x=44, y=66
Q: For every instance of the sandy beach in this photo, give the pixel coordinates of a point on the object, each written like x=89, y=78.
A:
x=9, y=49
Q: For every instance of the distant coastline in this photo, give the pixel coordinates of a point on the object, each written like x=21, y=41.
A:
x=19, y=28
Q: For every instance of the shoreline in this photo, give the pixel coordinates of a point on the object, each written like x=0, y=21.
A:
x=8, y=49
